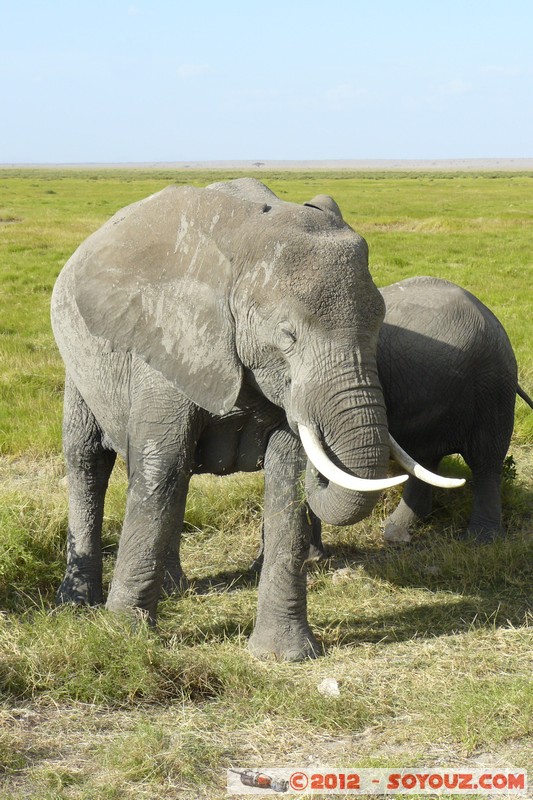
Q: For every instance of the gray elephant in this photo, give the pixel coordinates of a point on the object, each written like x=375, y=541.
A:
x=207, y=330
x=449, y=377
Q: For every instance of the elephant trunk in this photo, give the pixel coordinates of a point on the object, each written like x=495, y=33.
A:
x=357, y=443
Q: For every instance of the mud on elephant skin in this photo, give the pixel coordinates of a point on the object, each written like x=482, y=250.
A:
x=201, y=329
x=449, y=377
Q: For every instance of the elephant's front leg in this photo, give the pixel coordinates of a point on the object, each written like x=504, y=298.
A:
x=415, y=505
x=281, y=628
x=152, y=513
x=317, y=550
x=159, y=470
x=175, y=582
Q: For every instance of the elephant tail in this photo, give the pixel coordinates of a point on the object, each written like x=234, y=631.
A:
x=525, y=397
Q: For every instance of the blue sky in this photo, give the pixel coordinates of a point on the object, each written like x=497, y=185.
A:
x=189, y=80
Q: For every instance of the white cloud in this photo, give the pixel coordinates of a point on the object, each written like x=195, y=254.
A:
x=192, y=70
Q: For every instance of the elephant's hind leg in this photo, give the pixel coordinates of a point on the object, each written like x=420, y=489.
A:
x=89, y=465
x=485, y=454
x=485, y=518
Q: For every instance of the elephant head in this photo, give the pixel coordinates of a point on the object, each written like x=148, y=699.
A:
x=228, y=286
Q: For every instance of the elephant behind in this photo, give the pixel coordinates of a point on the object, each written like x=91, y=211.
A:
x=449, y=377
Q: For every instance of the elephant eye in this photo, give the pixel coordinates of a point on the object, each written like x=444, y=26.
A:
x=286, y=336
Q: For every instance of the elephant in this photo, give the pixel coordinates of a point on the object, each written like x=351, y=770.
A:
x=219, y=330
x=449, y=376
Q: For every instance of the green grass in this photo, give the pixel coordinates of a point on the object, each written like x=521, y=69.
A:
x=472, y=229
x=431, y=644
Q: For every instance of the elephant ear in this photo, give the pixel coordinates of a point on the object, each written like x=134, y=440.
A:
x=153, y=282
x=325, y=203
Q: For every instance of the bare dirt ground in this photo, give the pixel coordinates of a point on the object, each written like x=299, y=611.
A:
x=370, y=165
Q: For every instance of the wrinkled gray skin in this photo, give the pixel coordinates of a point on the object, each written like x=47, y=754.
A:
x=198, y=328
x=449, y=378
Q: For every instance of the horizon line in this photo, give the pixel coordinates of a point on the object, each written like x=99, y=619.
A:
x=430, y=164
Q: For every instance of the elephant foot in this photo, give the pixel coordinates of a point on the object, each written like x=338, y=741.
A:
x=394, y=533
x=122, y=602
x=76, y=588
x=292, y=642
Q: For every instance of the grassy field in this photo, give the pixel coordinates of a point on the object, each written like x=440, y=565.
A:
x=431, y=644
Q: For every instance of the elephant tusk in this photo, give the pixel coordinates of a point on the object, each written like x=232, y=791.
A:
x=416, y=469
x=319, y=459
